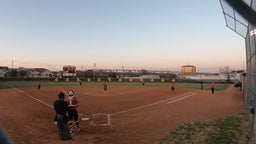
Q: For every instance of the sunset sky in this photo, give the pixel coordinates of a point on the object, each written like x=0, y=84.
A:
x=135, y=34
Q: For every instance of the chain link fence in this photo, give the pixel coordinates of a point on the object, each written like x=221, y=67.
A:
x=247, y=30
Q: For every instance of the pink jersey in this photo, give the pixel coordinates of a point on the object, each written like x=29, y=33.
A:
x=212, y=85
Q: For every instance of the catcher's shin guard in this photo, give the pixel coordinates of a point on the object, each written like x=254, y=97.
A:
x=70, y=123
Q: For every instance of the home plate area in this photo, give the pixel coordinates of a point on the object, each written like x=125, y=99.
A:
x=100, y=120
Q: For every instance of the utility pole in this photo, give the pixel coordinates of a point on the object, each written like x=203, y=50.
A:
x=12, y=64
x=94, y=66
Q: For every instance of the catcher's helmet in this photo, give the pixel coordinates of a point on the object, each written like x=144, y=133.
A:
x=71, y=93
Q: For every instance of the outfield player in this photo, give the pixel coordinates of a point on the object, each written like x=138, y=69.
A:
x=61, y=109
x=39, y=85
x=202, y=85
x=173, y=81
x=172, y=89
x=72, y=110
x=173, y=86
x=105, y=86
x=212, y=87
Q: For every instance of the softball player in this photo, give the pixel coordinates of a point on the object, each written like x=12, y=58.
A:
x=72, y=111
x=173, y=86
x=105, y=86
x=172, y=89
x=39, y=85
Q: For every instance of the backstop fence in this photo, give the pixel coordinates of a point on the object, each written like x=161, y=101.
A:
x=247, y=30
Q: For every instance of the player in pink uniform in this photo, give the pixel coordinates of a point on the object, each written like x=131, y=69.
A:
x=212, y=87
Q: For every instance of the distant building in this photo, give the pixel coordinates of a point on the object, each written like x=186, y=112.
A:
x=3, y=71
x=4, y=68
x=40, y=73
x=188, y=69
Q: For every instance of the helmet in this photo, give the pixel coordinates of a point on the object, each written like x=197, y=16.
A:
x=71, y=93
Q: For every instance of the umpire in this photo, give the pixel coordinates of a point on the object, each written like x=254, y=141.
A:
x=61, y=109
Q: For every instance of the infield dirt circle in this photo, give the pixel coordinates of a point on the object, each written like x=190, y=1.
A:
x=124, y=115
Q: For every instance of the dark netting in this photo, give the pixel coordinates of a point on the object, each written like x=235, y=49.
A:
x=234, y=20
x=248, y=2
x=253, y=5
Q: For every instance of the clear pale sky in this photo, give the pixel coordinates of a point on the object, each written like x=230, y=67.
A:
x=138, y=34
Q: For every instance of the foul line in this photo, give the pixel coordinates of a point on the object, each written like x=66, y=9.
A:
x=21, y=91
x=177, y=98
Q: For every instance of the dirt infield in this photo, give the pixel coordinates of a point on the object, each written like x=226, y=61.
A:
x=126, y=114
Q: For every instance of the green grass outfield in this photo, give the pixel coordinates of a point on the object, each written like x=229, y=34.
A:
x=29, y=84
x=229, y=130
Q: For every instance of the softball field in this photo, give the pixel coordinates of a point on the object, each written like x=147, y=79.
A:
x=124, y=115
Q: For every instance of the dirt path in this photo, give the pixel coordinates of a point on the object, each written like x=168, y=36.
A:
x=140, y=115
